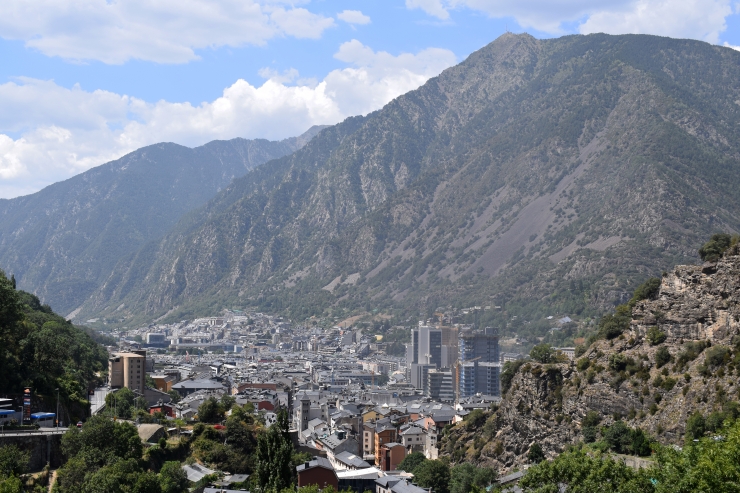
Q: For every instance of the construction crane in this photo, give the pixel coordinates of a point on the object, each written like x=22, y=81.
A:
x=457, y=377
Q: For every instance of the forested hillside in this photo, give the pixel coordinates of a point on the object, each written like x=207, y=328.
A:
x=540, y=176
x=43, y=351
x=62, y=241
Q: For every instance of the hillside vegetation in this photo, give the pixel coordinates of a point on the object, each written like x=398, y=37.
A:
x=43, y=351
x=541, y=176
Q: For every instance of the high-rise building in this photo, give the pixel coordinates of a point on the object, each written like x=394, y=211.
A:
x=425, y=347
x=440, y=385
x=479, y=363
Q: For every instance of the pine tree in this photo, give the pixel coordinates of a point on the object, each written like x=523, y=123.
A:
x=274, y=453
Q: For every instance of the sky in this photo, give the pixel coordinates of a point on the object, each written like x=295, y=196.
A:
x=84, y=82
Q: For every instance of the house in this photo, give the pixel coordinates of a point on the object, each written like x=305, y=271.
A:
x=337, y=443
x=396, y=484
x=166, y=409
x=196, y=472
x=384, y=434
x=187, y=387
x=347, y=461
x=359, y=480
x=414, y=439
x=319, y=472
x=391, y=455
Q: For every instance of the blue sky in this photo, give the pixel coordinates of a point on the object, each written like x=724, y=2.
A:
x=86, y=81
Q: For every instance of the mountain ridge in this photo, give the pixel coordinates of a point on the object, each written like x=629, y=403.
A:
x=538, y=175
x=60, y=240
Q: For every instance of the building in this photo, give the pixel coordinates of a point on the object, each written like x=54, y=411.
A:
x=440, y=386
x=383, y=434
x=391, y=455
x=187, y=387
x=155, y=339
x=396, y=484
x=319, y=472
x=127, y=370
x=479, y=368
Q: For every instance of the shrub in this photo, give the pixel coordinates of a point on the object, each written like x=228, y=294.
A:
x=647, y=290
x=712, y=250
x=589, y=434
x=695, y=426
x=583, y=364
x=535, y=454
x=592, y=418
x=619, y=362
x=507, y=375
x=668, y=384
x=717, y=356
x=618, y=436
x=542, y=353
x=655, y=336
x=662, y=356
x=691, y=350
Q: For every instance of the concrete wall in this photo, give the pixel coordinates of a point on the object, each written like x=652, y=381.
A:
x=42, y=447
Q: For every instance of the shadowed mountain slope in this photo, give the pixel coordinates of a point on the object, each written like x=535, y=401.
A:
x=63, y=240
x=538, y=175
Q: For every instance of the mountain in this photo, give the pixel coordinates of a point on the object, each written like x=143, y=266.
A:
x=62, y=241
x=539, y=176
x=671, y=373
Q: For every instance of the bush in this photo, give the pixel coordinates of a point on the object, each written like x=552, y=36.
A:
x=662, y=356
x=668, y=384
x=717, y=356
x=619, y=362
x=592, y=418
x=542, y=353
x=589, y=434
x=535, y=454
x=583, y=364
x=712, y=250
x=647, y=290
x=695, y=426
x=655, y=336
x=507, y=375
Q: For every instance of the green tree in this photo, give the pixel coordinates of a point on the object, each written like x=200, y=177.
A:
x=433, y=474
x=542, y=353
x=13, y=461
x=535, y=454
x=656, y=336
x=580, y=472
x=172, y=479
x=511, y=368
x=102, y=441
x=211, y=411
x=412, y=461
x=695, y=426
x=619, y=437
x=274, y=469
x=464, y=477
x=662, y=356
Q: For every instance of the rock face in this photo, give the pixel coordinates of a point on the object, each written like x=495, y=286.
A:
x=697, y=309
x=695, y=302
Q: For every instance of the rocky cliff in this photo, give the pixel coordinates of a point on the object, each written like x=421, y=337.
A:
x=679, y=356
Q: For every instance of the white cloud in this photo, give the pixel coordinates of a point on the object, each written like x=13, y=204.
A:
x=698, y=19
x=60, y=132
x=431, y=7
x=353, y=17
x=165, y=31
x=728, y=45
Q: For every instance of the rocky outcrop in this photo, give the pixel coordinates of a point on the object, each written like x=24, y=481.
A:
x=695, y=302
x=694, y=318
